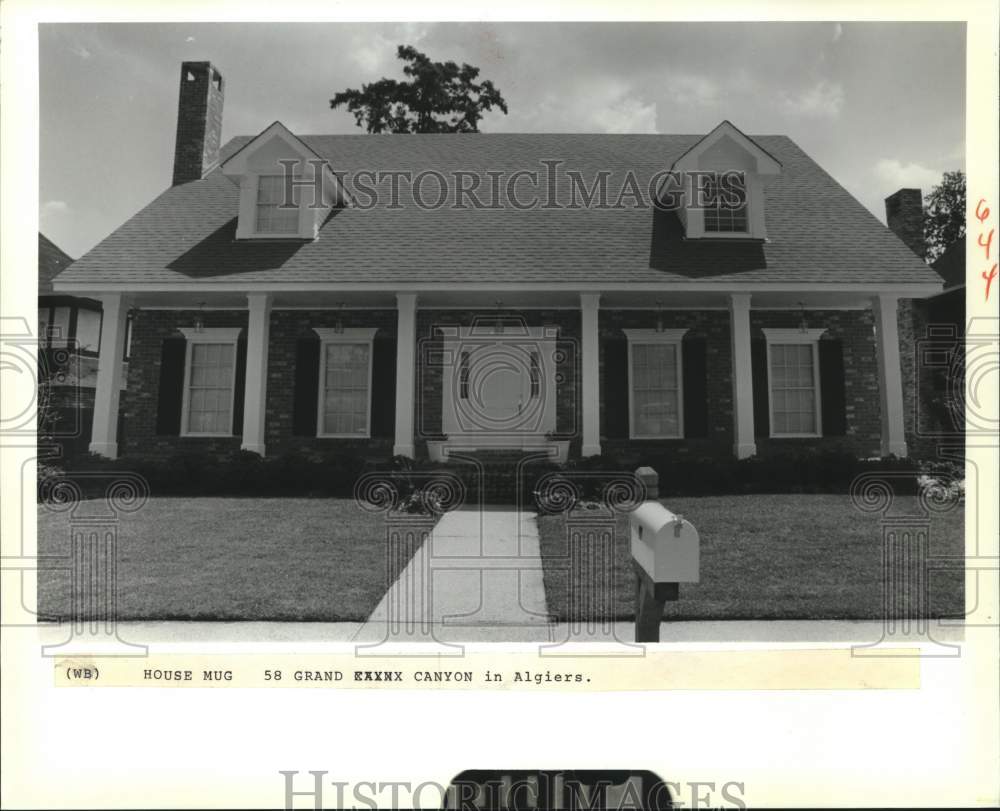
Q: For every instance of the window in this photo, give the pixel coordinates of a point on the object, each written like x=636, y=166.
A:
x=345, y=378
x=58, y=327
x=209, y=378
x=724, y=215
x=272, y=216
x=655, y=375
x=88, y=330
x=793, y=375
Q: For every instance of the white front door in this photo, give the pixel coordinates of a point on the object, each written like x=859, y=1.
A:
x=499, y=387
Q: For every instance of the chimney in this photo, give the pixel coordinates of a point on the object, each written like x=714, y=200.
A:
x=904, y=214
x=199, y=121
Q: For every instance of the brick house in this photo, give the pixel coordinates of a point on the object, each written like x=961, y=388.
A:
x=764, y=324
x=933, y=330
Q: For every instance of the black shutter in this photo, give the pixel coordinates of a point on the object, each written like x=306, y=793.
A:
x=240, y=385
x=171, y=394
x=761, y=406
x=306, y=387
x=383, y=387
x=616, y=397
x=833, y=400
x=695, y=387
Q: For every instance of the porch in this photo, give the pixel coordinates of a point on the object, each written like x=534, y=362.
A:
x=553, y=372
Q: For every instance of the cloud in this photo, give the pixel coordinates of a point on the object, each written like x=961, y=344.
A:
x=625, y=115
x=822, y=100
x=54, y=207
x=375, y=53
x=604, y=105
x=80, y=51
x=692, y=89
x=897, y=175
x=838, y=32
x=189, y=39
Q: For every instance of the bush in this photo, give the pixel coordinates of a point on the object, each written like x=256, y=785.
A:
x=237, y=474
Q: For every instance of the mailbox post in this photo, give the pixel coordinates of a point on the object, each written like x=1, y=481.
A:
x=665, y=552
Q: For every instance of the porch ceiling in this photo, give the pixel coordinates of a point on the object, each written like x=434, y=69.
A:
x=508, y=299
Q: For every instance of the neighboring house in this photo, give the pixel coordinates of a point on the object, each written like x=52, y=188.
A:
x=762, y=328
x=69, y=333
x=935, y=328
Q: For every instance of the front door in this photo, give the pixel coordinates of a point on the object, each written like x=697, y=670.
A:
x=499, y=387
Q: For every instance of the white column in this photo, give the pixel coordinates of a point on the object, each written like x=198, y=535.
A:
x=255, y=391
x=104, y=434
x=590, y=378
x=406, y=360
x=739, y=329
x=890, y=377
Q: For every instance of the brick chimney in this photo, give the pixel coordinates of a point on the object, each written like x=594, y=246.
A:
x=904, y=214
x=199, y=121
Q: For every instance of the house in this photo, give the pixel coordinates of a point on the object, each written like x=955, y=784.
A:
x=935, y=329
x=69, y=332
x=755, y=321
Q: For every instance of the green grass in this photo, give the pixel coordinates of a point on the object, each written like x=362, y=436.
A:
x=762, y=557
x=235, y=559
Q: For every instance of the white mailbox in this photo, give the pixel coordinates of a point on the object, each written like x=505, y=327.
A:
x=664, y=544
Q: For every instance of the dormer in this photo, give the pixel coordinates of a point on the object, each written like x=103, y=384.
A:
x=727, y=158
x=287, y=190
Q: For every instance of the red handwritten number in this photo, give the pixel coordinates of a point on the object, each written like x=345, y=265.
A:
x=987, y=244
x=982, y=214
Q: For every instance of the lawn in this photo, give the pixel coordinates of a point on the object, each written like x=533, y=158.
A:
x=762, y=557
x=236, y=559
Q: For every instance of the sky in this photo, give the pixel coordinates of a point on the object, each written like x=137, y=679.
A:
x=879, y=106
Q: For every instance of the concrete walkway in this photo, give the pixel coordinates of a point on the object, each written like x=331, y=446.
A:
x=479, y=577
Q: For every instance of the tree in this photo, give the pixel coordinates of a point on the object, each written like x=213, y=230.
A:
x=441, y=97
x=944, y=214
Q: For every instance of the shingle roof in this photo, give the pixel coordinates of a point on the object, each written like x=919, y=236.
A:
x=51, y=260
x=817, y=232
x=950, y=265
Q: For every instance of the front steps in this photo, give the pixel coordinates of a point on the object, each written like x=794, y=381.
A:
x=500, y=476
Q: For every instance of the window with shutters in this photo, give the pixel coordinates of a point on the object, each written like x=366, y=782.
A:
x=655, y=374
x=345, y=382
x=794, y=382
x=209, y=381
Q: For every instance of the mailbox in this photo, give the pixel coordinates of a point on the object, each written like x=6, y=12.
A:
x=664, y=554
x=664, y=544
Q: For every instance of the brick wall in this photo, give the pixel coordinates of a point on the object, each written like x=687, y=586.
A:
x=150, y=328
x=713, y=326
x=287, y=327
x=855, y=330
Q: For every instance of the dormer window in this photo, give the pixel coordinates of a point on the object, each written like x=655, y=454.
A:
x=287, y=190
x=274, y=215
x=726, y=212
x=727, y=173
